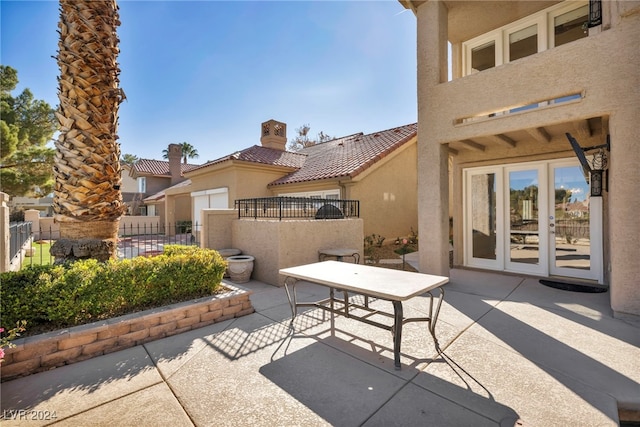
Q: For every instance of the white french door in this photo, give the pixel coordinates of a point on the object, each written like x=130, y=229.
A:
x=535, y=218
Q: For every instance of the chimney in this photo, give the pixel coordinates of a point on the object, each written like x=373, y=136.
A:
x=175, y=158
x=274, y=135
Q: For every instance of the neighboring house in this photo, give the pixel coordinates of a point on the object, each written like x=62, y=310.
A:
x=129, y=190
x=526, y=73
x=154, y=176
x=44, y=205
x=377, y=169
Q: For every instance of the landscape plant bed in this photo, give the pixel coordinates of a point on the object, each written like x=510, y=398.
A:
x=388, y=252
x=62, y=296
x=69, y=345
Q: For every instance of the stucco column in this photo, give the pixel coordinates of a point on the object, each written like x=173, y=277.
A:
x=624, y=205
x=433, y=184
x=33, y=215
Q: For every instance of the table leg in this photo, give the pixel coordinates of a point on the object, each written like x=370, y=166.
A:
x=433, y=317
x=291, y=296
x=333, y=322
x=397, y=332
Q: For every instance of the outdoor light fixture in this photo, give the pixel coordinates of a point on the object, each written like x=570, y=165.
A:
x=595, y=171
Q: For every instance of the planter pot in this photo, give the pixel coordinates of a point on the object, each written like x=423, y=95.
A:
x=240, y=268
x=226, y=253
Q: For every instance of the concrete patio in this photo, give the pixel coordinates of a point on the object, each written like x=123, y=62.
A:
x=515, y=353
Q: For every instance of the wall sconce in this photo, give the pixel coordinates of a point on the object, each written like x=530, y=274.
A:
x=596, y=171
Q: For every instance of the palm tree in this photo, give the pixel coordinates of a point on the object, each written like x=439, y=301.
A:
x=87, y=199
x=128, y=159
x=188, y=152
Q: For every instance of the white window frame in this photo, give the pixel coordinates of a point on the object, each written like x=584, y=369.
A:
x=544, y=20
x=557, y=11
x=538, y=22
x=142, y=184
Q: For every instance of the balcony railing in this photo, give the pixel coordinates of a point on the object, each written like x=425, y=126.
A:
x=297, y=207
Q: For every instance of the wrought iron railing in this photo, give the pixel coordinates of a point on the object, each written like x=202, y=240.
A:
x=134, y=240
x=297, y=208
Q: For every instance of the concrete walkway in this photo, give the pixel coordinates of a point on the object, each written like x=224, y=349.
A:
x=513, y=350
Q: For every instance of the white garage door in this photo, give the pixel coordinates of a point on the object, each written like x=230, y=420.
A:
x=217, y=198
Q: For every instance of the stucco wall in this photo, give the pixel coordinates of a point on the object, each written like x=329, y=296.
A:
x=216, y=228
x=389, y=195
x=243, y=181
x=281, y=244
x=603, y=68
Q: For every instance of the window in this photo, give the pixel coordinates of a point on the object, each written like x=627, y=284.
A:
x=142, y=184
x=523, y=42
x=554, y=26
x=570, y=26
x=483, y=57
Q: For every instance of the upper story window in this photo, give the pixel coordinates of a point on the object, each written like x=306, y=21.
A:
x=554, y=26
x=570, y=25
x=142, y=184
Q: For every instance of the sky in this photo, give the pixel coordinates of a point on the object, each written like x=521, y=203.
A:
x=210, y=72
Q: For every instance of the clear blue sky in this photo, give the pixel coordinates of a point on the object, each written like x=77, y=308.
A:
x=210, y=72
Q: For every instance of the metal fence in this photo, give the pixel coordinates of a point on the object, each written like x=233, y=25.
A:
x=297, y=207
x=19, y=233
x=133, y=240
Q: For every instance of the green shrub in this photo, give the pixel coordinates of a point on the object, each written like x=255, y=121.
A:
x=87, y=290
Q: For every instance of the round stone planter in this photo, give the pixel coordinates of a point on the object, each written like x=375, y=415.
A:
x=226, y=253
x=240, y=268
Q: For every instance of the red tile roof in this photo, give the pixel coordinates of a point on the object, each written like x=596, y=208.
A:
x=158, y=167
x=348, y=156
x=262, y=155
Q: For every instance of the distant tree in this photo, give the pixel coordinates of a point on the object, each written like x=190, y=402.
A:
x=128, y=159
x=26, y=125
x=188, y=152
x=302, y=140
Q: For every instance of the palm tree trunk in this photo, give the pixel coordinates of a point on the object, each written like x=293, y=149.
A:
x=87, y=199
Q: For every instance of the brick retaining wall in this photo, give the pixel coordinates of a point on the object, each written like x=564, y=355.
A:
x=47, y=351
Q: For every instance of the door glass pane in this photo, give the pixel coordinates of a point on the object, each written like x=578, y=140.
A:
x=483, y=215
x=569, y=26
x=523, y=43
x=523, y=213
x=483, y=57
x=571, y=225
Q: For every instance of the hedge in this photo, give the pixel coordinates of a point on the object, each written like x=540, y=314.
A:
x=87, y=290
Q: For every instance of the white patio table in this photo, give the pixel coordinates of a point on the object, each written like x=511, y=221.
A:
x=383, y=283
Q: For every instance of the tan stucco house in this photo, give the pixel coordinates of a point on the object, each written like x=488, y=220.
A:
x=377, y=169
x=152, y=177
x=494, y=150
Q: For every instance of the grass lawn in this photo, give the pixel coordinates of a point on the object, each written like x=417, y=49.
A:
x=41, y=255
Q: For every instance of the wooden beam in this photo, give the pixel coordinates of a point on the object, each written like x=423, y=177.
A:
x=582, y=128
x=502, y=140
x=539, y=134
x=472, y=145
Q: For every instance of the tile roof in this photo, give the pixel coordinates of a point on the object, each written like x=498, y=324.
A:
x=159, y=167
x=348, y=156
x=159, y=196
x=262, y=155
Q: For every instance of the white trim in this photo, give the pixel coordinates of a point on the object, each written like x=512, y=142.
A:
x=211, y=191
x=546, y=205
x=544, y=20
